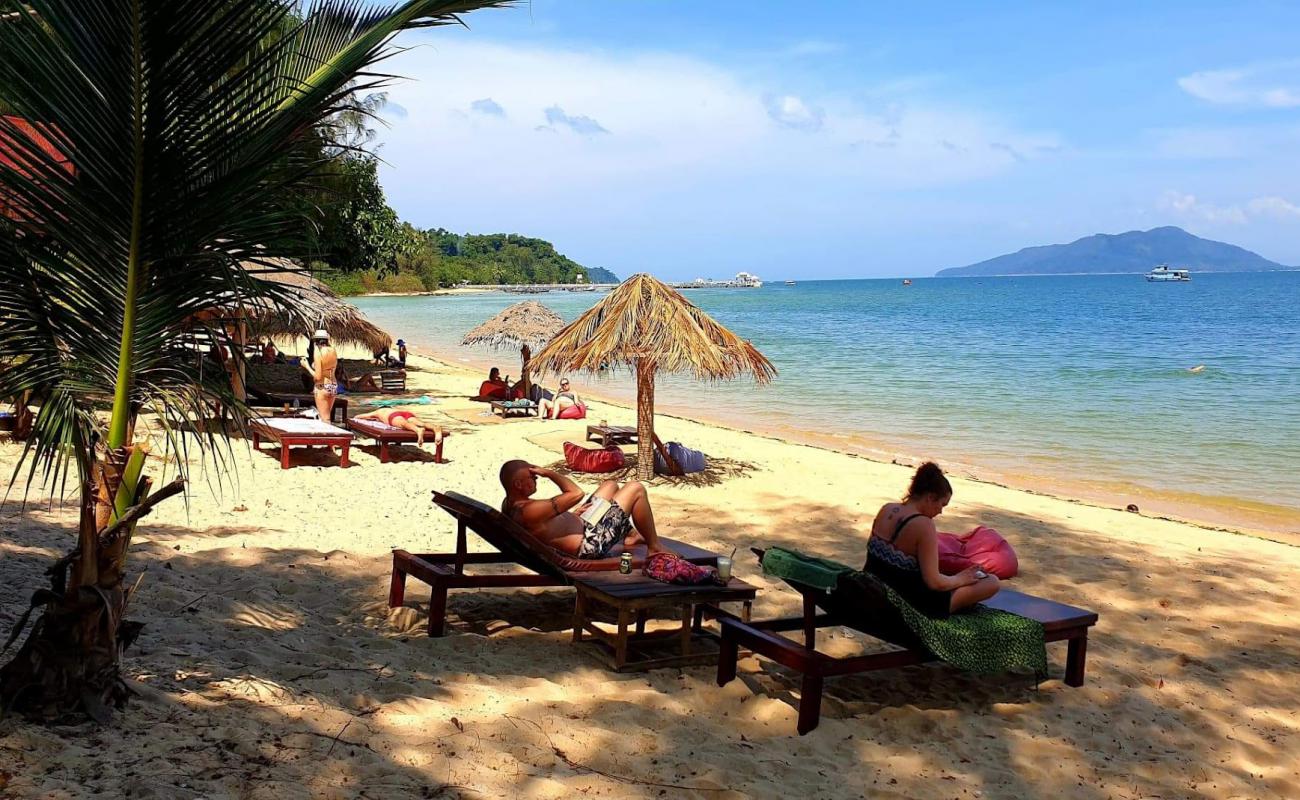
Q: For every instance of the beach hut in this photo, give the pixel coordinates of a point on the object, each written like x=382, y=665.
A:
x=650, y=328
x=523, y=325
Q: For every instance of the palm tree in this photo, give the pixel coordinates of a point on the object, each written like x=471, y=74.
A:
x=186, y=123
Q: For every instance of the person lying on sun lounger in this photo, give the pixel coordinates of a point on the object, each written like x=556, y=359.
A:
x=587, y=527
x=903, y=550
x=406, y=421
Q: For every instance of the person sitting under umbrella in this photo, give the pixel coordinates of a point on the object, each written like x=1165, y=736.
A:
x=564, y=398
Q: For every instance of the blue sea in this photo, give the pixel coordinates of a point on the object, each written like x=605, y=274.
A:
x=1077, y=385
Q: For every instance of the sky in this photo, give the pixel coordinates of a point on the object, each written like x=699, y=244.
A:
x=847, y=139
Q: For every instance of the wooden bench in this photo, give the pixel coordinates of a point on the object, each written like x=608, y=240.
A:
x=289, y=431
x=632, y=596
x=876, y=618
x=548, y=567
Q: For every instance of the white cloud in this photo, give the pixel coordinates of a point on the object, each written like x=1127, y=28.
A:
x=813, y=47
x=792, y=112
x=1274, y=84
x=1192, y=207
x=578, y=124
x=487, y=105
x=692, y=153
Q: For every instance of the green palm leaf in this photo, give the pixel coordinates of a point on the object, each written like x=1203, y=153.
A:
x=186, y=123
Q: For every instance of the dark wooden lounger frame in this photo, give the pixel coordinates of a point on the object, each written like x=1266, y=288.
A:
x=1060, y=622
x=446, y=571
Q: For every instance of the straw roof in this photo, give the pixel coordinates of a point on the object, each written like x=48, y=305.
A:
x=528, y=323
x=302, y=304
x=645, y=320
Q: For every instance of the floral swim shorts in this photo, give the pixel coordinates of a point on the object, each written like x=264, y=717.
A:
x=599, y=540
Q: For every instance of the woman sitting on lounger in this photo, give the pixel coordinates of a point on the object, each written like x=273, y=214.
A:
x=564, y=398
x=405, y=420
x=904, y=550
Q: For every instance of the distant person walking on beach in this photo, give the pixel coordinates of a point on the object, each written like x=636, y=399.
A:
x=405, y=420
x=564, y=398
x=325, y=386
x=564, y=521
x=903, y=550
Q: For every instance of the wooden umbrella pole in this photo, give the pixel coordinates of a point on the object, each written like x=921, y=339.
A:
x=645, y=419
x=524, y=375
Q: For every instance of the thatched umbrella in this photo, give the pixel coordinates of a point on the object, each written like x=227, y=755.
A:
x=524, y=325
x=651, y=328
x=304, y=304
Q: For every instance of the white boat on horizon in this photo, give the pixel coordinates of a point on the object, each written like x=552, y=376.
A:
x=789, y=283
x=1163, y=274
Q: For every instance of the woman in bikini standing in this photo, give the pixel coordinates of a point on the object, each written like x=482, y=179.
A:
x=321, y=370
x=903, y=551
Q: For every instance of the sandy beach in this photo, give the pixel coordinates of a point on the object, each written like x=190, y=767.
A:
x=271, y=666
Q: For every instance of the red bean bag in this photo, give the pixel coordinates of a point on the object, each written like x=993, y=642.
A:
x=983, y=547
x=488, y=390
x=582, y=459
x=576, y=411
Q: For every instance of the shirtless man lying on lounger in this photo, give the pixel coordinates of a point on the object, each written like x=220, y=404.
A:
x=406, y=421
x=557, y=521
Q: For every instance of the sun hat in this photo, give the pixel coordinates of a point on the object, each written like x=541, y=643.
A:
x=400, y=342
x=320, y=334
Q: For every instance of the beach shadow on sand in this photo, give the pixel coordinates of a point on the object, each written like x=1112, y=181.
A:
x=718, y=471
x=283, y=671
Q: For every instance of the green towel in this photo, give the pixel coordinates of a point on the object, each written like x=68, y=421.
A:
x=819, y=573
x=980, y=639
x=390, y=402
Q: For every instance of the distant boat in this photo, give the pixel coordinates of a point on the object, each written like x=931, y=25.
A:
x=789, y=283
x=1163, y=274
x=748, y=281
x=907, y=281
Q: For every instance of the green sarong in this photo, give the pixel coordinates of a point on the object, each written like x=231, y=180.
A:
x=979, y=639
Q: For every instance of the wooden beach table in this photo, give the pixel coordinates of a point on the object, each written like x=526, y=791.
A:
x=506, y=411
x=632, y=596
x=387, y=434
x=288, y=431
x=612, y=434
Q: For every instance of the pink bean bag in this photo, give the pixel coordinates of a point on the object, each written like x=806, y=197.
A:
x=577, y=411
x=582, y=459
x=983, y=547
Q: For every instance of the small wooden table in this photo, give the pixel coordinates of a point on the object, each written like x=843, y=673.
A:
x=615, y=434
x=292, y=430
x=500, y=407
x=633, y=596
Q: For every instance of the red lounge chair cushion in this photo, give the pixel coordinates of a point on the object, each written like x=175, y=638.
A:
x=488, y=390
x=983, y=547
x=578, y=411
x=580, y=459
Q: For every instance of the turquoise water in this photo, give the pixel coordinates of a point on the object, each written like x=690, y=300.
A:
x=1077, y=384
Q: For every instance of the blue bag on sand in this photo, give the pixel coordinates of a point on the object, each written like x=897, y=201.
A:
x=689, y=460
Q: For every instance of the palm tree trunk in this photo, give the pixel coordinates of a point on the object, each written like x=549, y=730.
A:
x=645, y=420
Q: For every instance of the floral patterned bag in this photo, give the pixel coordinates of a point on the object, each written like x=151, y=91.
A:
x=671, y=568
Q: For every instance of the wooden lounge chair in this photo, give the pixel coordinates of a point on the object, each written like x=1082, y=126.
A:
x=871, y=613
x=290, y=431
x=549, y=567
x=387, y=434
x=392, y=381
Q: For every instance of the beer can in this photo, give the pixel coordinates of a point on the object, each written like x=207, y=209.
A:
x=625, y=564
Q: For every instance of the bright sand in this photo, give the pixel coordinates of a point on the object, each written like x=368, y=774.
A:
x=271, y=666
